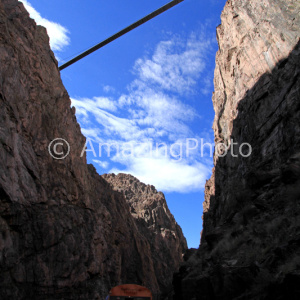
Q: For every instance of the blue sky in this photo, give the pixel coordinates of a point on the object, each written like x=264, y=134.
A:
x=143, y=101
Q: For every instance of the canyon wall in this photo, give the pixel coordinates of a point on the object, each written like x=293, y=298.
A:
x=250, y=245
x=64, y=232
x=154, y=220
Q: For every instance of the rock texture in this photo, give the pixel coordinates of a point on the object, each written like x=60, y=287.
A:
x=250, y=245
x=64, y=233
x=154, y=220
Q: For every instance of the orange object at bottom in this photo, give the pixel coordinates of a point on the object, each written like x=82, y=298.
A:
x=129, y=291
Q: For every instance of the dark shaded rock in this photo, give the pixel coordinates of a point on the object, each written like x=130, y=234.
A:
x=64, y=232
x=251, y=223
x=155, y=222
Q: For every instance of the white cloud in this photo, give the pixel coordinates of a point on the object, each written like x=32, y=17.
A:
x=90, y=105
x=57, y=33
x=108, y=89
x=122, y=127
x=102, y=164
x=176, y=64
x=152, y=112
x=149, y=113
x=92, y=133
x=167, y=174
x=105, y=103
x=164, y=112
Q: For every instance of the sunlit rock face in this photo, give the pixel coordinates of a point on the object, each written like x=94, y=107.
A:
x=64, y=232
x=154, y=221
x=250, y=247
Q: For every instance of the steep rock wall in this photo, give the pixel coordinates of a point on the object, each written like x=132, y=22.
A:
x=154, y=220
x=250, y=245
x=64, y=233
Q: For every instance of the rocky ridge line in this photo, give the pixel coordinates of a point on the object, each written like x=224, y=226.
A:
x=154, y=220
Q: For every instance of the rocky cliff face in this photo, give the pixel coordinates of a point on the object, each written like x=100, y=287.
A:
x=250, y=246
x=64, y=233
x=154, y=220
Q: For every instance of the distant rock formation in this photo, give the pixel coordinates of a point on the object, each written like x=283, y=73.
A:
x=155, y=222
x=64, y=232
x=250, y=245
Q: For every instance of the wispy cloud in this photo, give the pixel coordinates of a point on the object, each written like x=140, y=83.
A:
x=58, y=34
x=108, y=89
x=102, y=164
x=153, y=112
x=163, y=112
x=86, y=104
x=93, y=110
x=168, y=175
x=176, y=64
